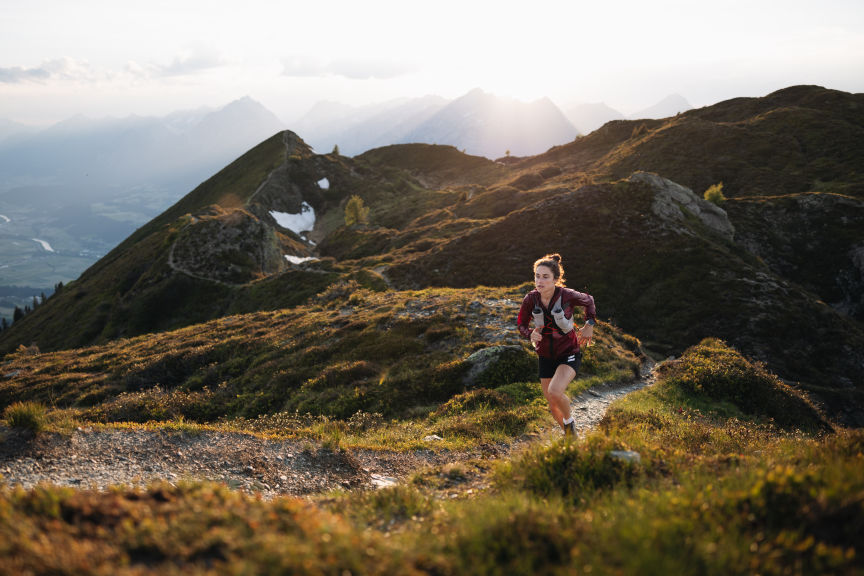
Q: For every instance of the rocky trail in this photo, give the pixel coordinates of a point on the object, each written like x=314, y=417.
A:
x=99, y=458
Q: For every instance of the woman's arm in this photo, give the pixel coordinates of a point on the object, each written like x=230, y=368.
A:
x=586, y=301
x=523, y=322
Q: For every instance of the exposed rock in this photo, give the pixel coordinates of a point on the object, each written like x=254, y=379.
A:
x=498, y=363
x=626, y=456
x=227, y=246
x=671, y=200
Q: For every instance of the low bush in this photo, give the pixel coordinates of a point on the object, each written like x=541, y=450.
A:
x=510, y=535
x=715, y=370
x=473, y=400
x=386, y=507
x=26, y=416
x=569, y=470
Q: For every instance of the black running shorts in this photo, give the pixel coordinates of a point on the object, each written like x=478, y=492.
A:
x=548, y=366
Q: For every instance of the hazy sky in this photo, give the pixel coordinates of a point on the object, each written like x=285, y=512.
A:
x=101, y=58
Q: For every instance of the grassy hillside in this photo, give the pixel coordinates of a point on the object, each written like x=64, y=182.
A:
x=398, y=354
x=682, y=478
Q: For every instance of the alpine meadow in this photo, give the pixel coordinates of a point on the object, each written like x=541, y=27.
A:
x=226, y=393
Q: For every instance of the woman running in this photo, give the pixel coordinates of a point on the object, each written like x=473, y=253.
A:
x=550, y=308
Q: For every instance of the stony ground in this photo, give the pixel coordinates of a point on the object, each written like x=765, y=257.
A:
x=98, y=458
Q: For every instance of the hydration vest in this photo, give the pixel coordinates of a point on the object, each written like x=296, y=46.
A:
x=565, y=324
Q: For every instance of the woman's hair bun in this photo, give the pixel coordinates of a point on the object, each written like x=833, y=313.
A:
x=556, y=257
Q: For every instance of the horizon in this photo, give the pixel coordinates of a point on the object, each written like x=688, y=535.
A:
x=358, y=107
x=99, y=59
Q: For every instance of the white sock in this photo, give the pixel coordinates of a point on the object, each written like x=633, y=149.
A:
x=568, y=421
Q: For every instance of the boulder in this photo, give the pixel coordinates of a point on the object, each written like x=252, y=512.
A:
x=498, y=365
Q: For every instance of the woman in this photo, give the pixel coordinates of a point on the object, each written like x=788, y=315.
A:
x=550, y=308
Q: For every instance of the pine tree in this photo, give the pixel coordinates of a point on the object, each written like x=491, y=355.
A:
x=356, y=212
x=4, y=324
x=17, y=314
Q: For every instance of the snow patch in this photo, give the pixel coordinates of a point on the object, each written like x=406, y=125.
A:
x=297, y=223
x=324, y=184
x=44, y=244
x=299, y=259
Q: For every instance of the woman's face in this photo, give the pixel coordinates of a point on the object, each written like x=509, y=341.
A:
x=544, y=279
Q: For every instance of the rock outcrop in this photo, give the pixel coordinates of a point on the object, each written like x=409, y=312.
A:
x=672, y=200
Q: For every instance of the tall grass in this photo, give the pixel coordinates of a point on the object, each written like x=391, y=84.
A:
x=26, y=416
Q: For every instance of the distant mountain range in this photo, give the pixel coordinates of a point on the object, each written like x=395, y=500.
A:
x=99, y=158
x=479, y=123
x=589, y=117
x=669, y=106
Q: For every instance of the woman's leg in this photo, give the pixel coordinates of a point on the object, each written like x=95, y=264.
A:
x=553, y=408
x=559, y=403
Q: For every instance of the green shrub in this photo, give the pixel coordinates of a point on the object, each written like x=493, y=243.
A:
x=473, y=400
x=387, y=506
x=715, y=370
x=714, y=194
x=26, y=416
x=569, y=470
x=521, y=393
x=510, y=535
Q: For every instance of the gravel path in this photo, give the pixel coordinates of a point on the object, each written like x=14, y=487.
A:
x=98, y=458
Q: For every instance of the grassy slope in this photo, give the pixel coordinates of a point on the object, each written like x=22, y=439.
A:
x=718, y=489
x=394, y=353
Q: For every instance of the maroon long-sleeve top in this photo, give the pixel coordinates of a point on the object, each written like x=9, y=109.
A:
x=555, y=343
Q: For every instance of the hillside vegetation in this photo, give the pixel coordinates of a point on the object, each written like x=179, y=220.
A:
x=395, y=354
x=717, y=486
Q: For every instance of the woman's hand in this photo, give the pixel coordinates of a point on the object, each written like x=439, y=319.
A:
x=584, y=336
x=536, y=337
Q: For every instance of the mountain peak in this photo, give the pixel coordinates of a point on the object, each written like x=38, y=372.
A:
x=668, y=106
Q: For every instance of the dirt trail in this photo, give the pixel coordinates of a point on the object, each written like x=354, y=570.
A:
x=98, y=458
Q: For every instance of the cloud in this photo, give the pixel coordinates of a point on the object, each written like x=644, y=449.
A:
x=17, y=75
x=187, y=63
x=306, y=66
x=193, y=62
x=61, y=68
